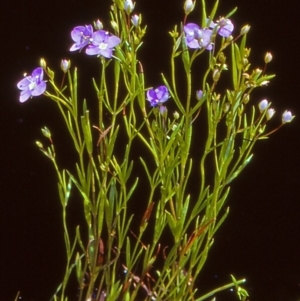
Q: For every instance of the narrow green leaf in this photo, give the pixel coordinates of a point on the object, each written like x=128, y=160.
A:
x=185, y=57
x=214, y=10
x=234, y=67
x=204, y=15
x=86, y=128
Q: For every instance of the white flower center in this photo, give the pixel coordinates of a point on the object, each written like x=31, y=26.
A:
x=32, y=85
x=102, y=46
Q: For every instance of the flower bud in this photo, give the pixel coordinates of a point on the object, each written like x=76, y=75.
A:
x=263, y=105
x=163, y=111
x=268, y=57
x=98, y=25
x=43, y=63
x=128, y=6
x=222, y=58
x=65, y=65
x=245, y=62
x=199, y=94
x=114, y=25
x=240, y=110
x=176, y=115
x=188, y=6
x=226, y=107
x=246, y=98
x=270, y=113
x=135, y=20
x=245, y=29
x=287, y=117
x=46, y=132
x=264, y=83
x=216, y=75
x=39, y=144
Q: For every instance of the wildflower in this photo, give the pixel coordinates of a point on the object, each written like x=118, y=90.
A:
x=226, y=27
x=32, y=85
x=287, y=117
x=82, y=36
x=263, y=105
x=270, y=113
x=158, y=96
x=197, y=37
x=65, y=65
x=102, y=44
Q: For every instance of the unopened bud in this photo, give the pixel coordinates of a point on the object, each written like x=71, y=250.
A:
x=135, y=20
x=98, y=25
x=163, y=111
x=188, y=6
x=65, y=65
x=216, y=75
x=114, y=25
x=39, y=144
x=226, y=107
x=199, y=94
x=268, y=57
x=46, y=132
x=245, y=29
x=128, y=6
x=43, y=63
x=222, y=58
x=176, y=115
x=263, y=105
x=287, y=117
x=246, y=98
x=270, y=113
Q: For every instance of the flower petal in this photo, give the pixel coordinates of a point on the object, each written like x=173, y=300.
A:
x=24, y=95
x=39, y=89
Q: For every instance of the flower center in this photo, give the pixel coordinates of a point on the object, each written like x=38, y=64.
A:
x=32, y=84
x=102, y=46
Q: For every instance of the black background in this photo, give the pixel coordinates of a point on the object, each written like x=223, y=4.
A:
x=259, y=241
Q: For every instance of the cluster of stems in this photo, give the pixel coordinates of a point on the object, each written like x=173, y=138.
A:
x=151, y=205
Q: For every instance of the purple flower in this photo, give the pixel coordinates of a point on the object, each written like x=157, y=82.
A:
x=32, y=85
x=225, y=27
x=81, y=35
x=198, y=38
x=158, y=96
x=102, y=44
